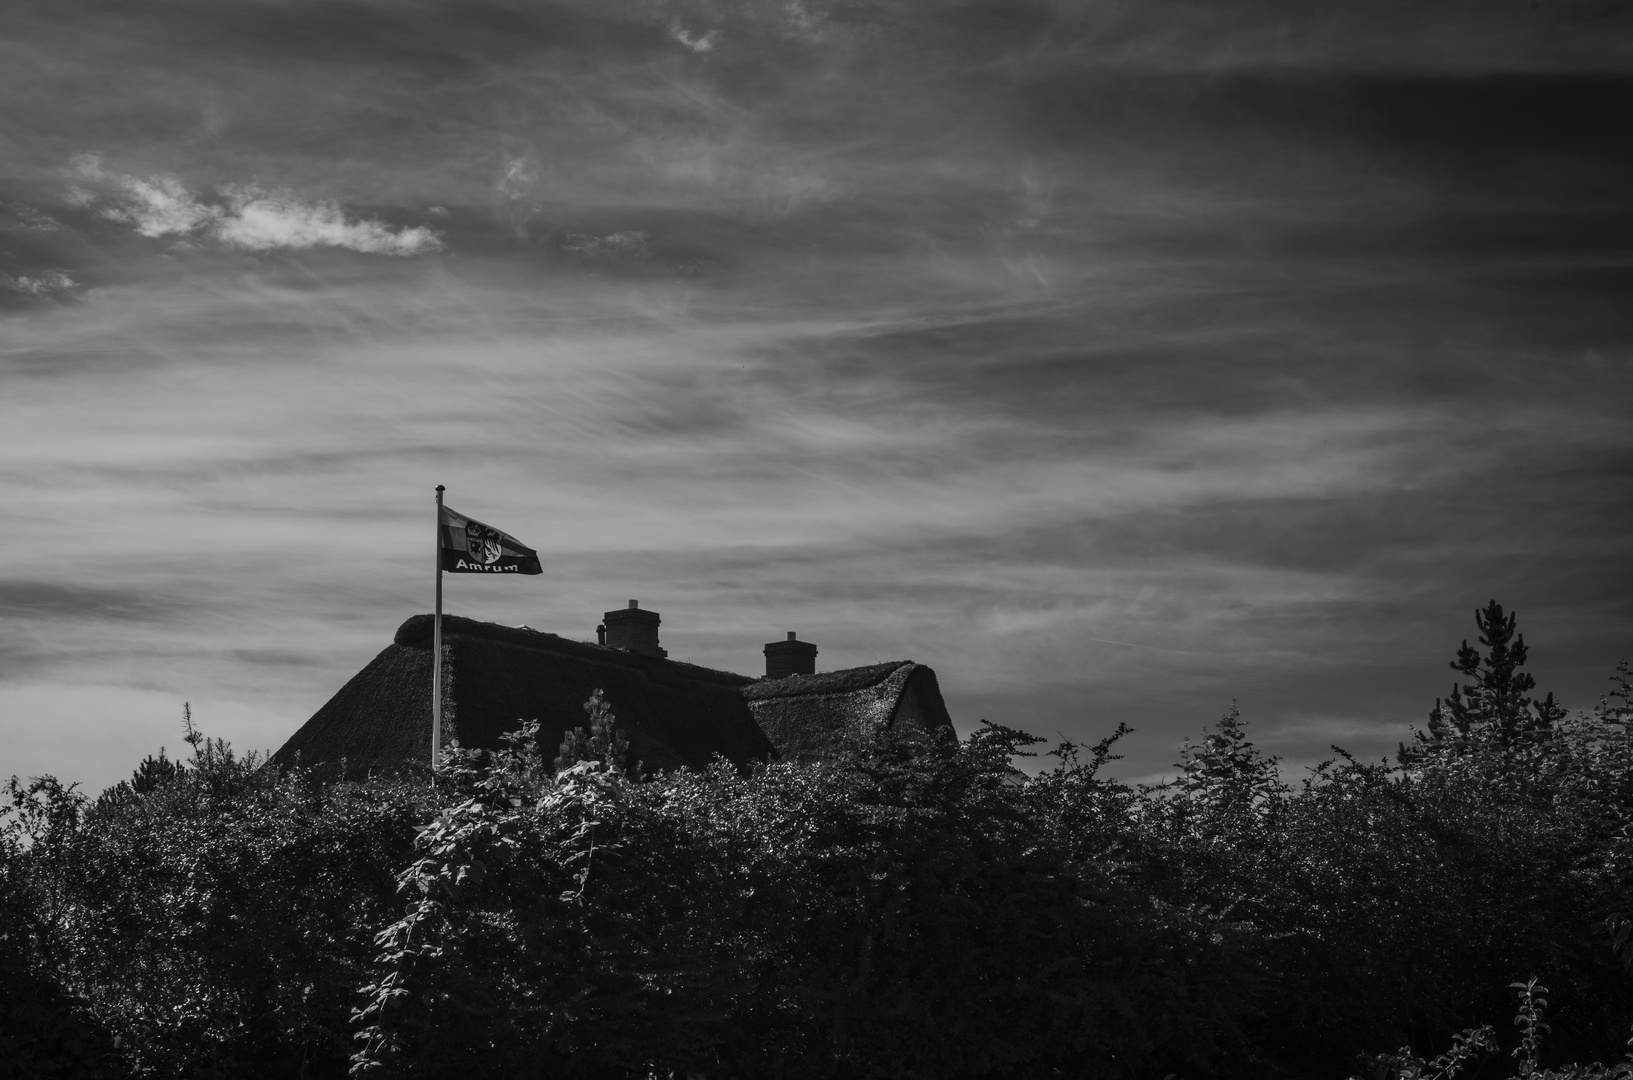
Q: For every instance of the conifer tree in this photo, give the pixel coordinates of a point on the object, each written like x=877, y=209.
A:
x=154, y=773
x=1494, y=708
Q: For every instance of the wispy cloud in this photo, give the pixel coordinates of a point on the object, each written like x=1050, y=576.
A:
x=1119, y=360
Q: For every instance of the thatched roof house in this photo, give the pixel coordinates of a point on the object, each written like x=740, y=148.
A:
x=808, y=716
x=674, y=714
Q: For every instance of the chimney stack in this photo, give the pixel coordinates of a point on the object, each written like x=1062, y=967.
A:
x=789, y=657
x=633, y=630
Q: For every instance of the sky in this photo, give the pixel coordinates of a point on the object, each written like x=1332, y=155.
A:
x=1119, y=359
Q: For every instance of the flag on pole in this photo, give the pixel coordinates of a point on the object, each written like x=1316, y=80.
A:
x=470, y=547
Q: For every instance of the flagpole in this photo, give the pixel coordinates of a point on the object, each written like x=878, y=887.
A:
x=436, y=647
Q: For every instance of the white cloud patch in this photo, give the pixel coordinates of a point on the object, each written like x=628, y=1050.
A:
x=517, y=177
x=698, y=43
x=160, y=207
x=261, y=221
x=615, y=247
x=806, y=19
x=44, y=283
x=247, y=217
x=31, y=219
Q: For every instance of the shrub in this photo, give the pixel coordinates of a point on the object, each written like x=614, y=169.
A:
x=911, y=907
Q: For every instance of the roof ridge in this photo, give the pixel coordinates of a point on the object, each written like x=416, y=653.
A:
x=818, y=684
x=418, y=628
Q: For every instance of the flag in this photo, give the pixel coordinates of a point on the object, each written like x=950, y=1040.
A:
x=470, y=547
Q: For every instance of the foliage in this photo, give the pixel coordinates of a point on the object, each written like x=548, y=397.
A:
x=1466, y=1047
x=211, y=924
x=153, y=773
x=603, y=742
x=44, y=1031
x=911, y=906
x=900, y=913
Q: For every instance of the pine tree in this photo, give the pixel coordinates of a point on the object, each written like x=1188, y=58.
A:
x=1494, y=709
x=154, y=773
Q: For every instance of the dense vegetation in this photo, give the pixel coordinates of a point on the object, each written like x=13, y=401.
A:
x=916, y=908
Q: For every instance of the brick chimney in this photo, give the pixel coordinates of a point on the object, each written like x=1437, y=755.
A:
x=789, y=658
x=632, y=630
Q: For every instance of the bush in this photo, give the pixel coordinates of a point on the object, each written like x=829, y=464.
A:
x=215, y=923
x=906, y=911
x=911, y=907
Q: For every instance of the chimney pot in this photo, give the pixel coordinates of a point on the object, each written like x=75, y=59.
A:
x=634, y=603
x=790, y=657
x=633, y=630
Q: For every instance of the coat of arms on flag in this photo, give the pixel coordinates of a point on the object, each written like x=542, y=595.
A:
x=471, y=547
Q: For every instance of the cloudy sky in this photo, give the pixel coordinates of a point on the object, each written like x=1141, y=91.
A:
x=1117, y=358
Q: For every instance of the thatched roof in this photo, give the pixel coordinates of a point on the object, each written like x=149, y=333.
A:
x=494, y=677
x=808, y=716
